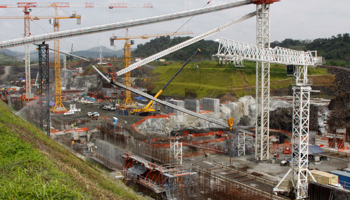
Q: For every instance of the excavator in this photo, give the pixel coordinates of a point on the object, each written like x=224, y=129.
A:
x=148, y=109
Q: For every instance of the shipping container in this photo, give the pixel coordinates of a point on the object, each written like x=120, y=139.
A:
x=344, y=178
x=324, y=177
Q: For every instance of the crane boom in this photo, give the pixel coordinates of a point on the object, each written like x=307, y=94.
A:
x=234, y=51
x=148, y=107
x=146, y=36
x=127, y=59
x=183, y=44
x=77, y=5
x=119, y=25
x=34, y=17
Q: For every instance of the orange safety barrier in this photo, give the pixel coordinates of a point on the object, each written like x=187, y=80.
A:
x=104, y=117
x=205, y=111
x=83, y=129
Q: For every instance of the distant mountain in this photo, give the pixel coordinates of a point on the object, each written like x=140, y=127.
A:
x=12, y=53
x=90, y=53
x=95, y=52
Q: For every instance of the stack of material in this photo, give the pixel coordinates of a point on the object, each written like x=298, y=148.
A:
x=324, y=177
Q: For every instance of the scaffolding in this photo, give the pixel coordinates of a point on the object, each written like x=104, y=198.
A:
x=170, y=181
x=44, y=89
x=176, y=151
x=241, y=144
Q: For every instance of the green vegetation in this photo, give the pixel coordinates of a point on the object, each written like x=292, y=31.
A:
x=32, y=166
x=8, y=60
x=213, y=79
x=156, y=45
x=336, y=50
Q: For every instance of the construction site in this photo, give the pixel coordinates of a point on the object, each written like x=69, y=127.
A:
x=187, y=148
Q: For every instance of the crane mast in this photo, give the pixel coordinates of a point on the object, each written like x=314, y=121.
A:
x=262, y=116
x=29, y=94
x=58, y=105
x=232, y=51
x=127, y=58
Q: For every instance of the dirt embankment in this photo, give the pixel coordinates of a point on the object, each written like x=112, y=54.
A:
x=342, y=81
x=282, y=118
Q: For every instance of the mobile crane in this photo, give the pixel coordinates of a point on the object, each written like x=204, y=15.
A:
x=148, y=109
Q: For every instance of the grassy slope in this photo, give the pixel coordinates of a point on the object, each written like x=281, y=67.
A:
x=224, y=78
x=32, y=166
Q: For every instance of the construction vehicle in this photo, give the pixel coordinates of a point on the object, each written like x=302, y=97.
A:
x=148, y=109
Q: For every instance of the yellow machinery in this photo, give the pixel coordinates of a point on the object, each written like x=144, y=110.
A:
x=58, y=106
x=148, y=109
x=127, y=58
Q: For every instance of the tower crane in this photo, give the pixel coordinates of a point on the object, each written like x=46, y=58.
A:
x=58, y=106
x=233, y=51
x=27, y=18
x=127, y=58
x=27, y=8
x=262, y=114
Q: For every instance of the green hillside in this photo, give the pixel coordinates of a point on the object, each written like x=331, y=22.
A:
x=32, y=166
x=213, y=79
x=336, y=49
x=156, y=45
x=5, y=59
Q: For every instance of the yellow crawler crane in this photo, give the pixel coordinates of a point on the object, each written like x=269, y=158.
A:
x=148, y=109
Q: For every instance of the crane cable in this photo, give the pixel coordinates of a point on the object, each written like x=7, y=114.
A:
x=188, y=20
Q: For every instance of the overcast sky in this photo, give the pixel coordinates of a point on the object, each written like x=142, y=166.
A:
x=297, y=19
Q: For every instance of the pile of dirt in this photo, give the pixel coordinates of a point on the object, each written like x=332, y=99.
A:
x=340, y=112
x=282, y=118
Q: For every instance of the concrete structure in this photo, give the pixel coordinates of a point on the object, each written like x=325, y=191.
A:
x=211, y=104
x=180, y=115
x=192, y=105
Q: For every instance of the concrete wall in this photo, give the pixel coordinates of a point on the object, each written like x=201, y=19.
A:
x=177, y=103
x=180, y=115
x=192, y=105
x=109, y=151
x=211, y=104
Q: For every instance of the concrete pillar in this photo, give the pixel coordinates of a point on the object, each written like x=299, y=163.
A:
x=179, y=114
x=211, y=104
x=192, y=105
